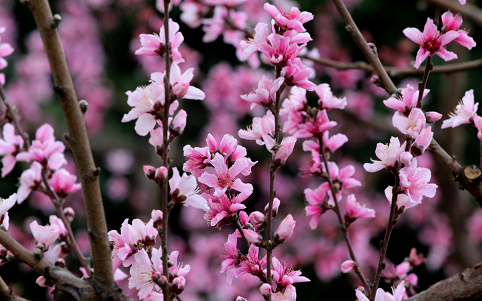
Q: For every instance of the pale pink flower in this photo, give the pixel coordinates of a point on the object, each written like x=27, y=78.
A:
x=286, y=148
x=6, y=204
x=431, y=42
x=265, y=93
x=122, y=249
x=46, y=235
x=253, y=236
x=252, y=45
x=180, y=84
x=285, y=229
x=411, y=125
x=297, y=74
x=178, y=124
x=288, y=295
x=5, y=50
x=348, y=266
x=213, y=27
x=342, y=176
x=261, y=130
x=384, y=296
x=157, y=136
x=354, y=210
x=57, y=222
x=10, y=146
x=30, y=179
x=226, y=177
x=478, y=125
x=388, y=154
x=313, y=127
x=292, y=19
x=285, y=276
x=327, y=100
x=64, y=183
x=154, y=45
x=185, y=189
x=432, y=116
x=452, y=23
x=406, y=101
x=422, y=142
x=331, y=143
x=265, y=289
x=464, y=111
x=144, y=271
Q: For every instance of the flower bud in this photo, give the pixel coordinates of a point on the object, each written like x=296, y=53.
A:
x=265, y=289
x=253, y=237
x=348, y=266
x=60, y=263
x=156, y=216
x=285, y=229
x=161, y=174
x=149, y=171
x=178, y=285
x=256, y=217
x=69, y=214
x=432, y=116
x=276, y=203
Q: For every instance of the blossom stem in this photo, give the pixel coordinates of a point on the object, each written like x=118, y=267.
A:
x=423, y=83
x=388, y=232
x=60, y=211
x=343, y=227
x=165, y=158
x=240, y=229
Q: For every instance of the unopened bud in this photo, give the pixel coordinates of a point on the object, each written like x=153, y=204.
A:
x=161, y=173
x=276, y=203
x=265, y=289
x=84, y=105
x=156, y=216
x=178, y=285
x=285, y=229
x=149, y=171
x=60, y=263
x=69, y=214
x=256, y=217
x=348, y=266
x=431, y=117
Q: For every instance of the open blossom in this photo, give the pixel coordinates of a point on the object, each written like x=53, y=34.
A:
x=180, y=83
x=223, y=209
x=231, y=257
x=261, y=130
x=30, y=179
x=297, y=74
x=10, y=146
x=292, y=19
x=411, y=125
x=464, y=111
x=64, y=183
x=431, y=42
x=46, y=235
x=354, y=210
x=453, y=22
x=288, y=295
x=331, y=143
x=280, y=49
x=342, y=176
x=284, y=276
x=313, y=127
x=154, y=45
x=252, y=45
x=317, y=204
x=414, y=182
x=265, y=93
x=327, y=100
x=6, y=204
x=384, y=296
x=185, y=189
x=423, y=141
x=406, y=101
x=5, y=50
x=144, y=272
x=388, y=154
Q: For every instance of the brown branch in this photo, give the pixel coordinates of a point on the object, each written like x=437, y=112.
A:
x=464, y=286
x=469, y=10
x=396, y=71
x=79, y=141
x=6, y=293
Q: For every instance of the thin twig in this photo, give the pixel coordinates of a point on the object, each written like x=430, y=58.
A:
x=423, y=83
x=240, y=229
x=79, y=141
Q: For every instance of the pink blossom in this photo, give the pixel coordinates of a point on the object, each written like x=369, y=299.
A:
x=452, y=23
x=348, y=266
x=312, y=127
x=327, y=100
x=256, y=217
x=423, y=141
x=265, y=93
x=253, y=236
x=330, y=143
x=388, y=154
x=317, y=204
x=251, y=263
x=354, y=210
x=478, y=125
x=432, y=116
x=178, y=124
x=285, y=229
x=431, y=42
x=154, y=45
x=5, y=50
x=223, y=209
x=288, y=295
x=464, y=111
x=57, y=222
x=342, y=176
x=297, y=74
x=407, y=99
x=46, y=235
x=252, y=45
x=180, y=84
x=45, y=149
x=144, y=271
x=292, y=19
x=279, y=49
x=226, y=177
x=231, y=257
x=122, y=249
x=286, y=148
x=64, y=183
x=157, y=136
x=384, y=296
x=261, y=130
x=265, y=289
x=10, y=146
x=30, y=179
x=6, y=204
x=411, y=125
x=214, y=26
x=185, y=189
x=285, y=276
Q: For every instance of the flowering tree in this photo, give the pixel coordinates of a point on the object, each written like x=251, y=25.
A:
x=328, y=208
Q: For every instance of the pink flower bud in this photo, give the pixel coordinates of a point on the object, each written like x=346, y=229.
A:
x=69, y=214
x=61, y=250
x=285, y=229
x=256, y=217
x=276, y=203
x=243, y=217
x=179, y=121
x=265, y=289
x=156, y=216
x=406, y=158
x=149, y=171
x=161, y=173
x=432, y=117
x=348, y=266
x=286, y=148
x=178, y=284
x=253, y=237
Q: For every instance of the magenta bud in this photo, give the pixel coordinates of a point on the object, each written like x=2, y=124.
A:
x=256, y=217
x=265, y=289
x=69, y=214
x=285, y=229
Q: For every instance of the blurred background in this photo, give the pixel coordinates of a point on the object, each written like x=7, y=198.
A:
x=100, y=37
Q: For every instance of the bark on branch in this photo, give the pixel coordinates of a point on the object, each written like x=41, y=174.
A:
x=79, y=142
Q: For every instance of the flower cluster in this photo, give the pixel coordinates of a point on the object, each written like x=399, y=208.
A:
x=432, y=41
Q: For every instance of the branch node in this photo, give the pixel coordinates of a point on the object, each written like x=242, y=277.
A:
x=96, y=172
x=349, y=28
x=67, y=138
x=84, y=105
x=56, y=21
x=60, y=90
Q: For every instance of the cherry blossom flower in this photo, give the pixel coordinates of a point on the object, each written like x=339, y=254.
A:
x=317, y=205
x=312, y=127
x=327, y=100
x=422, y=142
x=223, y=209
x=411, y=125
x=388, y=154
x=452, y=23
x=330, y=143
x=384, y=296
x=265, y=289
x=144, y=272
x=342, y=176
x=122, y=249
x=5, y=50
x=6, y=204
x=464, y=111
x=431, y=42
x=226, y=177
x=154, y=45
x=46, y=235
x=251, y=263
x=265, y=93
x=261, y=130
x=292, y=19
x=279, y=49
x=10, y=146
x=297, y=74
x=64, y=183
x=180, y=83
x=232, y=257
x=285, y=276
x=288, y=295
x=432, y=116
x=354, y=210
x=30, y=179
x=185, y=190
x=286, y=148
x=252, y=45
x=406, y=101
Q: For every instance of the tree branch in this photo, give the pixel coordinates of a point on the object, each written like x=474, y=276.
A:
x=88, y=173
x=6, y=293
